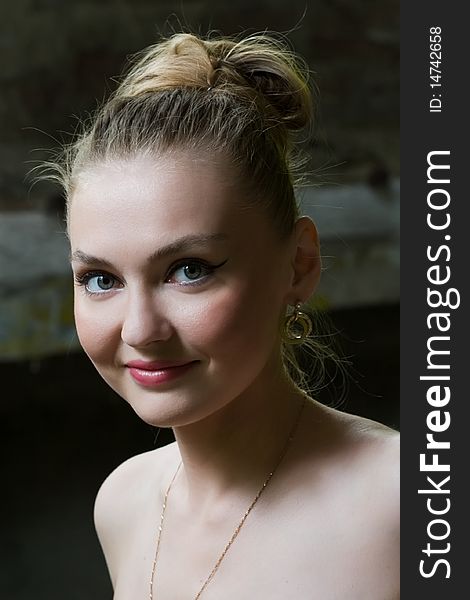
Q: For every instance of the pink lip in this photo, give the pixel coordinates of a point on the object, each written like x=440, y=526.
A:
x=154, y=373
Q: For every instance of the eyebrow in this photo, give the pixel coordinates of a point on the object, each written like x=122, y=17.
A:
x=185, y=243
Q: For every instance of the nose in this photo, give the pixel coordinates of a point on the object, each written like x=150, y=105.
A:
x=144, y=320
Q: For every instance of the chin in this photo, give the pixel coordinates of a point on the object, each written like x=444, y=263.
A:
x=170, y=408
x=168, y=416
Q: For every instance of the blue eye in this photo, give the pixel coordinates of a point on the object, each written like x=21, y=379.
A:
x=100, y=283
x=191, y=272
x=96, y=283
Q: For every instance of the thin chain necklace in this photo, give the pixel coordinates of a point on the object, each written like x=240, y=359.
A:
x=239, y=526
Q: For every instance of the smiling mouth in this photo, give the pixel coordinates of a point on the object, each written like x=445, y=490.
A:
x=157, y=373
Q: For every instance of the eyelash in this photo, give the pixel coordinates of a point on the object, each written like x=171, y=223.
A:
x=84, y=278
x=206, y=266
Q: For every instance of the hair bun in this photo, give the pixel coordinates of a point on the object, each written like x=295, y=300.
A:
x=258, y=66
x=270, y=68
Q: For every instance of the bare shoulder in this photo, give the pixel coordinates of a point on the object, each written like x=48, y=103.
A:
x=362, y=500
x=380, y=456
x=378, y=491
x=122, y=498
x=378, y=449
x=382, y=442
x=357, y=455
x=366, y=439
x=372, y=471
x=129, y=481
x=371, y=453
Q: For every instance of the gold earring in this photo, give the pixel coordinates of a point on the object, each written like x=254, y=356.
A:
x=297, y=326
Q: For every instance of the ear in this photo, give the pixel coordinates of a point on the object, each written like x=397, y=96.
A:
x=306, y=261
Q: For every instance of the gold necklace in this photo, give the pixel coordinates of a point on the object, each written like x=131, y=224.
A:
x=239, y=526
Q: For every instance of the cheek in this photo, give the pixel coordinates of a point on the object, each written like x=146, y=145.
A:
x=96, y=330
x=232, y=322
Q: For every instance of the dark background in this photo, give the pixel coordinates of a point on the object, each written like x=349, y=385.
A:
x=63, y=430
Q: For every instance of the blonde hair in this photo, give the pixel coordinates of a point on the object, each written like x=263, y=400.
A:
x=240, y=98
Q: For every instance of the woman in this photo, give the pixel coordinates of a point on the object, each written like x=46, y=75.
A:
x=191, y=266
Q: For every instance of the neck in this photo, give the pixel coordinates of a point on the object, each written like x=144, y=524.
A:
x=229, y=454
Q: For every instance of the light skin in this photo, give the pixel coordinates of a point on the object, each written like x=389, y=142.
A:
x=171, y=263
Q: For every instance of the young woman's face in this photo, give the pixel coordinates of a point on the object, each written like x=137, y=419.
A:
x=179, y=287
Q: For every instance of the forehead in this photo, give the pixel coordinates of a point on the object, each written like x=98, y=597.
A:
x=175, y=193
